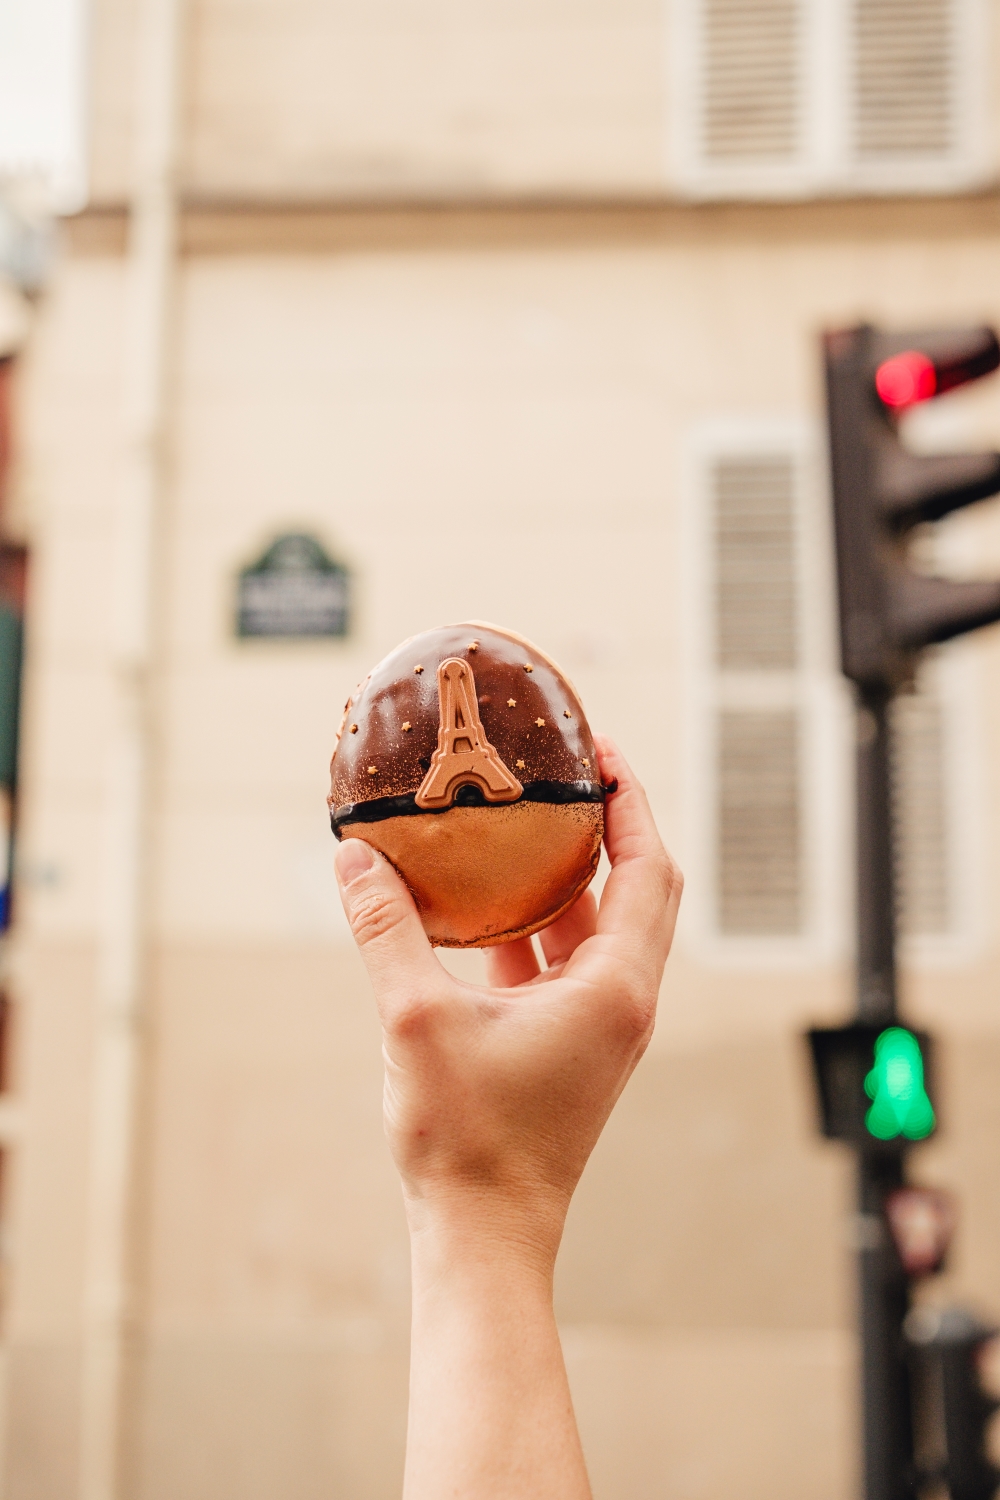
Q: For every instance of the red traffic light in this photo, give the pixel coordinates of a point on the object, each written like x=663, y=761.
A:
x=937, y=361
x=906, y=379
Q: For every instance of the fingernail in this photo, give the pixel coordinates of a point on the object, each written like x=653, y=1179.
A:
x=354, y=857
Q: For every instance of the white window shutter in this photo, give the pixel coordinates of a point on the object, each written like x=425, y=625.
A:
x=758, y=813
x=759, y=855
x=756, y=587
x=905, y=78
x=790, y=98
x=751, y=85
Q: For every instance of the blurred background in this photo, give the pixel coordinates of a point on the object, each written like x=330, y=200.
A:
x=492, y=311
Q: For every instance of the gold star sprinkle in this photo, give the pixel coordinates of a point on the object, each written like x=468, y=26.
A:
x=354, y=728
x=407, y=726
x=567, y=714
x=586, y=763
x=511, y=702
x=418, y=670
x=373, y=770
x=540, y=723
x=473, y=645
x=528, y=667
x=519, y=764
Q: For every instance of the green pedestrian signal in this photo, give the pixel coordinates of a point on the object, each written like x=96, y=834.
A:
x=884, y=1109
x=895, y=1085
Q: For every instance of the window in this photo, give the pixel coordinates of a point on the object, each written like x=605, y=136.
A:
x=905, y=78
x=771, y=749
x=750, y=103
x=790, y=98
x=755, y=603
x=761, y=696
x=759, y=831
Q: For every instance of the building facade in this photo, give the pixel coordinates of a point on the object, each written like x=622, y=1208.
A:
x=515, y=309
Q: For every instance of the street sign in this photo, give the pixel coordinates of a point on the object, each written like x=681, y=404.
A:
x=295, y=590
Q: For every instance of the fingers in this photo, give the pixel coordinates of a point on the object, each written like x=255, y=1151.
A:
x=510, y=964
x=567, y=932
x=639, y=905
x=385, y=924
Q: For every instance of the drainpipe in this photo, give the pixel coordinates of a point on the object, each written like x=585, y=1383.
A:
x=108, y=1295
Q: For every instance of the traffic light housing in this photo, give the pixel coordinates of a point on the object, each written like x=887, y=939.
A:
x=882, y=490
x=951, y=1407
x=874, y=1085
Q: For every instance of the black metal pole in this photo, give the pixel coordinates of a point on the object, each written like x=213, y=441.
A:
x=883, y=1292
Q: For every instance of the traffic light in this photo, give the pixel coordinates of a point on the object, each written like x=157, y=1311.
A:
x=873, y=1085
x=951, y=1408
x=895, y=1085
x=881, y=490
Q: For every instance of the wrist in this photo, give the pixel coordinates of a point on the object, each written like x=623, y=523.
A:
x=476, y=1238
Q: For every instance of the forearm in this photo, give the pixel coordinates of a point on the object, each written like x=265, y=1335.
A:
x=490, y=1410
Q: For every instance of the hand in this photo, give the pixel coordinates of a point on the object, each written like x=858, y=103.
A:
x=494, y=1099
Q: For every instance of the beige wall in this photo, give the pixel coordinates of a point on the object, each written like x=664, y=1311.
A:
x=295, y=99
x=485, y=415
x=308, y=100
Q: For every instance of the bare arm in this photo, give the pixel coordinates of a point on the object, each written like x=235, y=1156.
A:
x=494, y=1100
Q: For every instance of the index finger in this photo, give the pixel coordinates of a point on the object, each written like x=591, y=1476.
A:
x=638, y=909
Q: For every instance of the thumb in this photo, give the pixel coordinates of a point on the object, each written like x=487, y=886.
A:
x=384, y=921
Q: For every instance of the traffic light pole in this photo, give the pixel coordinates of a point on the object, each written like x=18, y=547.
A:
x=883, y=1294
x=876, y=884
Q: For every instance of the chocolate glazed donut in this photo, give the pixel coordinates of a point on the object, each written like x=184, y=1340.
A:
x=466, y=759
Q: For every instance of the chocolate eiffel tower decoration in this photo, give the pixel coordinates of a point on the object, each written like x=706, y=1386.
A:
x=464, y=756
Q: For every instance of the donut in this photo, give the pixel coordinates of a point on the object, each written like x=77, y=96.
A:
x=465, y=758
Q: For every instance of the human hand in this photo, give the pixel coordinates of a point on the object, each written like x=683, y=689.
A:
x=495, y=1096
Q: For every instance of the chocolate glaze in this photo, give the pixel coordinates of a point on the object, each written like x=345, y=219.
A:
x=558, y=753
x=559, y=792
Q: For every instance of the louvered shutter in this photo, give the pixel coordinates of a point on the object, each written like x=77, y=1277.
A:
x=905, y=78
x=922, y=833
x=751, y=84
x=755, y=564
x=758, y=855
x=793, y=97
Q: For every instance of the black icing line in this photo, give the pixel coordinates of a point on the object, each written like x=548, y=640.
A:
x=561, y=793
